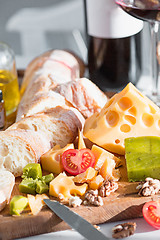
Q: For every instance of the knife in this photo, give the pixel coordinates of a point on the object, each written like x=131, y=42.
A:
x=75, y=221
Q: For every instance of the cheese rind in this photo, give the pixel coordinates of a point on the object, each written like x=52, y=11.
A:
x=127, y=114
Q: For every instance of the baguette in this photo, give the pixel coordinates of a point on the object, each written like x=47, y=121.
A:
x=60, y=124
x=7, y=181
x=20, y=147
x=40, y=102
x=49, y=62
x=83, y=95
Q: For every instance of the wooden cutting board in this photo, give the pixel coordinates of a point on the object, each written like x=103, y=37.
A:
x=120, y=205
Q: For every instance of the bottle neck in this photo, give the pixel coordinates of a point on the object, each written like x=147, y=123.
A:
x=105, y=19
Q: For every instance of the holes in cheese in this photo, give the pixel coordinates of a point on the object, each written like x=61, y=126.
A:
x=125, y=128
x=129, y=114
x=147, y=119
x=133, y=111
x=117, y=141
x=125, y=103
x=112, y=118
x=65, y=186
x=130, y=119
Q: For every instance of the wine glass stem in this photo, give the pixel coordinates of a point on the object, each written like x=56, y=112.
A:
x=154, y=26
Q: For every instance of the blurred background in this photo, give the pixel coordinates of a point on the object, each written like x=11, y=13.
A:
x=31, y=27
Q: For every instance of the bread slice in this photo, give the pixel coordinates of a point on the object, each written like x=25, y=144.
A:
x=7, y=181
x=83, y=95
x=59, y=124
x=20, y=147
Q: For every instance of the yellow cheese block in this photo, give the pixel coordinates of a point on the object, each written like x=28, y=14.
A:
x=127, y=114
x=36, y=202
x=86, y=176
x=108, y=171
x=51, y=161
x=81, y=143
x=96, y=182
x=64, y=187
x=101, y=155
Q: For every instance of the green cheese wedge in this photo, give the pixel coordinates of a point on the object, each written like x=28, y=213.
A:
x=142, y=157
x=18, y=204
x=32, y=170
x=48, y=178
x=28, y=186
x=41, y=187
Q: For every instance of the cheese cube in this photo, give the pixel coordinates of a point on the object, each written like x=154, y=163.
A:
x=86, y=176
x=127, y=114
x=51, y=160
x=96, y=182
x=106, y=163
x=101, y=155
x=65, y=186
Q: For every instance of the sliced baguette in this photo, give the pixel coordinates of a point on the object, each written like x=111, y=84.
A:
x=19, y=147
x=59, y=124
x=83, y=95
x=7, y=181
x=39, y=103
x=47, y=60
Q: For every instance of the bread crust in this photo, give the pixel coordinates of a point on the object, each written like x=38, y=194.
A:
x=39, y=62
x=83, y=95
x=66, y=118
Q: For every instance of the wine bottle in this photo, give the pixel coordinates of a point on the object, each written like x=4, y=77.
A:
x=114, y=45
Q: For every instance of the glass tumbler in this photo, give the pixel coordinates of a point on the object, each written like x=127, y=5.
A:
x=9, y=81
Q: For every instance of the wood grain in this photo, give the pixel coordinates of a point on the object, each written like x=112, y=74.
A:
x=123, y=204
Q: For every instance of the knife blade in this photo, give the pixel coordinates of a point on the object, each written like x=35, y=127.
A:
x=75, y=221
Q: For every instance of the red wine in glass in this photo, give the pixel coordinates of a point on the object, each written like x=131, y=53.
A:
x=147, y=10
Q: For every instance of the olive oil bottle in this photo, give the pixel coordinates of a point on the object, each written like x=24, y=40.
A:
x=10, y=89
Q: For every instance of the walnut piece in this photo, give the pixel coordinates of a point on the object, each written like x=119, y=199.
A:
x=149, y=187
x=92, y=197
x=123, y=230
x=107, y=187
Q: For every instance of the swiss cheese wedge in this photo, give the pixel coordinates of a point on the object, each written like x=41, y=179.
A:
x=127, y=114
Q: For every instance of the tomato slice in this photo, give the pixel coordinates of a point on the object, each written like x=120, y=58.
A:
x=151, y=213
x=77, y=161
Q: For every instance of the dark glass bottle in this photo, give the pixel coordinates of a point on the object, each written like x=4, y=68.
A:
x=114, y=55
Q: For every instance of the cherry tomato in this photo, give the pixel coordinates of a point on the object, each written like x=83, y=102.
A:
x=77, y=161
x=151, y=213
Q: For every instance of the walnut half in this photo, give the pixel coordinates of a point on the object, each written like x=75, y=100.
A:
x=107, y=188
x=149, y=187
x=92, y=197
x=123, y=230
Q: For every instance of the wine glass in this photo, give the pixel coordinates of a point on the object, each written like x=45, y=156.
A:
x=147, y=10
